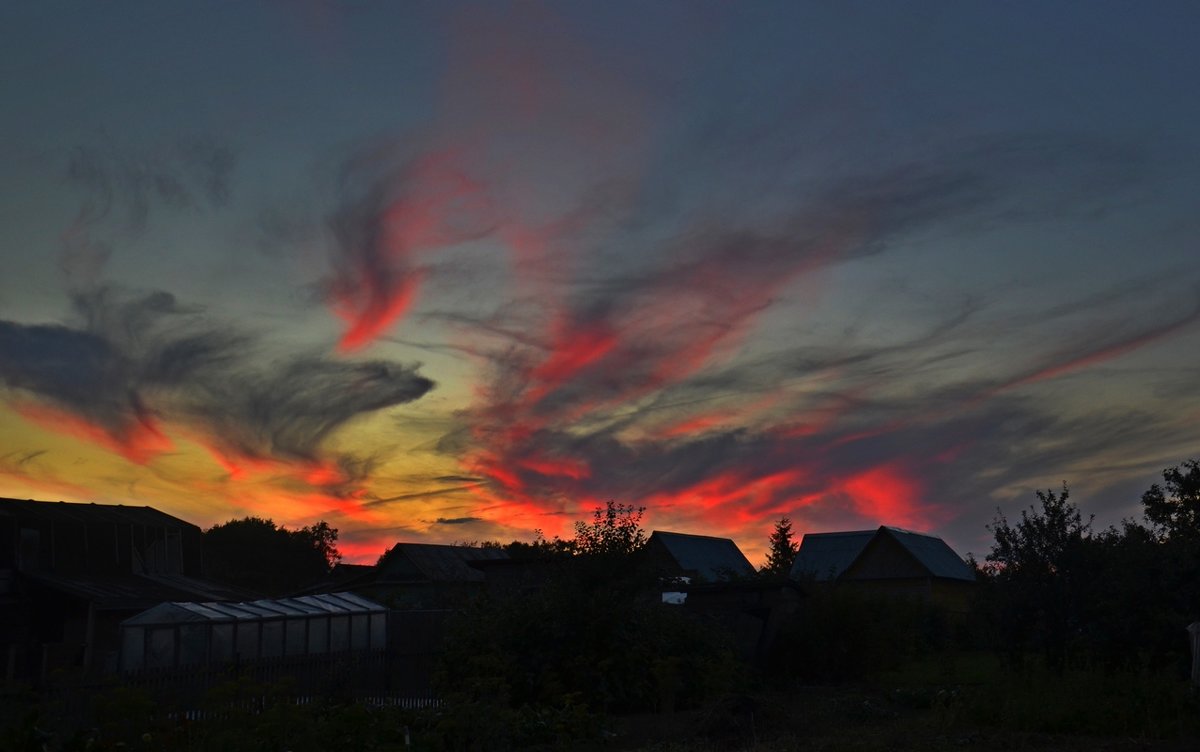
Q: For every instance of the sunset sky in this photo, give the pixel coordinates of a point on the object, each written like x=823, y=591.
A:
x=451, y=271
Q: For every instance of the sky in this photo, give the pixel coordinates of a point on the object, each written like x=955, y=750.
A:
x=447, y=272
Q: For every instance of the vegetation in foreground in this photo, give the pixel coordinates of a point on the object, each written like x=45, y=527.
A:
x=1076, y=642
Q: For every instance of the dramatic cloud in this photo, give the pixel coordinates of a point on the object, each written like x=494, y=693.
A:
x=139, y=368
x=729, y=262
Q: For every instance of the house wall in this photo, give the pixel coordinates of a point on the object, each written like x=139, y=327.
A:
x=885, y=558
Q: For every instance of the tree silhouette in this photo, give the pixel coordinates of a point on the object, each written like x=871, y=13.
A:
x=615, y=529
x=783, y=549
x=1038, y=565
x=1174, y=512
x=257, y=554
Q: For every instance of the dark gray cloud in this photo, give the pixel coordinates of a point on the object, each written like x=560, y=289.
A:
x=456, y=520
x=136, y=360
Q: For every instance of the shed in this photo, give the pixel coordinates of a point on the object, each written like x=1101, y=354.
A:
x=697, y=557
x=176, y=634
x=888, y=561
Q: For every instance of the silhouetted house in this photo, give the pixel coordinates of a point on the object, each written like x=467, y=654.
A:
x=888, y=561
x=424, y=575
x=70, y=573
x=699, y=558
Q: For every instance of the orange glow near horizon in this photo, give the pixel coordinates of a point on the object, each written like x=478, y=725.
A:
x=139, y=442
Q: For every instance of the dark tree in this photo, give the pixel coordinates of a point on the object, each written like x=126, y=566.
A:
x=1037, y=547
x=783, y=549
x=323, y=538
x=591, y=637
x=1038, y=567
x=1174, y=510
x=615, y=529
x=255, y=554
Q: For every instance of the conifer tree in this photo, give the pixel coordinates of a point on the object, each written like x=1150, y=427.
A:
x=783, y=549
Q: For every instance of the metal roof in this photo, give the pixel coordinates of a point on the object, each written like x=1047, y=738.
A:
x=709, y=557
x=176, y=612
x=934, y=554
x=824, y=556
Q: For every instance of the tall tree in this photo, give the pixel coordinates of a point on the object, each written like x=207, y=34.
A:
x=256, y=554
x=782, y=549
x=1174, y=511
x=1037, y=565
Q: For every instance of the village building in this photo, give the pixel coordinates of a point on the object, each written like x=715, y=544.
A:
x=696, y=558
x=888, y=562
x=71, y=573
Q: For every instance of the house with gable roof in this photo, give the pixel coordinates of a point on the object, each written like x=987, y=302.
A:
x=889, y=561
x=699, y=558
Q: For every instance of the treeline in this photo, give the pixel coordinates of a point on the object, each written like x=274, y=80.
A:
x=1119, y=598
x=262, y=557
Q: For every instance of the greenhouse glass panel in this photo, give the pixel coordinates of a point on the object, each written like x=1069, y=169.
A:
x=359, y=631
x=160, y=648
x=193, y=644
x=247, y=640
x=272, y=638
x=297, y=640
x=339, y=634
x=222, y=642
x=133, y=649
x=318, y=635
x=378, y=631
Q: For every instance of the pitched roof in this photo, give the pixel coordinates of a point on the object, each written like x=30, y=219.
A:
x=709, y=557
x=132, y=591
x=435, y=562
x=933, y=553
x=65, y=511
x=825, y=556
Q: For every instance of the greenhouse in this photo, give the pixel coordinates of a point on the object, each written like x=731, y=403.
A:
x=171, y=635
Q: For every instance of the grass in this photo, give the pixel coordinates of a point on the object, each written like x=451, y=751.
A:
x=969, y=701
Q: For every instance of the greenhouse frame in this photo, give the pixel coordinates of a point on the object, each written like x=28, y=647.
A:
x=173, y=634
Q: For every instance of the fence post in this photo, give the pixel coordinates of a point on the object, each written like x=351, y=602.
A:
x=1194, y=635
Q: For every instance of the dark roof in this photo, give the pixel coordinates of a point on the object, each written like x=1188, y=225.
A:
x=435, y=562
x=825, y=556
x=709, y=557
x=934, y=554
x=131, y=591
x=64, y=511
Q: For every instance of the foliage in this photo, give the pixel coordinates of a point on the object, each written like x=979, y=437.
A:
x=1117, y=599
x=256, y=554
x=842, y=634
x=1037, y=565
x=782, y=549
x=1039, y=546
x=615, y=529
x=1174, y=511
x=544, y=664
